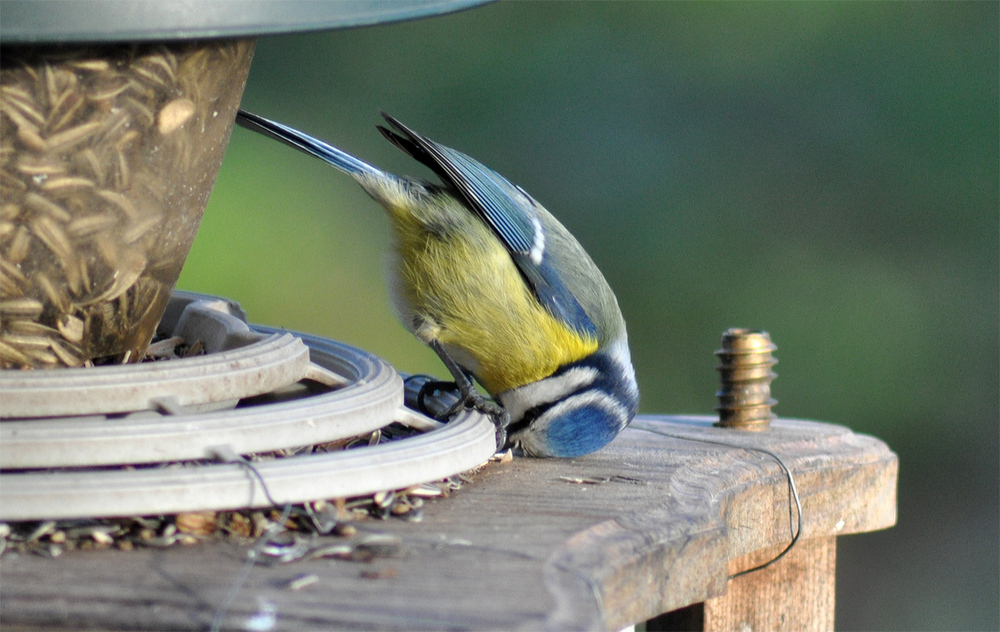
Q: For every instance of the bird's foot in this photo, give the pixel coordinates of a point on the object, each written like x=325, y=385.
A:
x=464, y=399
x=475, y=401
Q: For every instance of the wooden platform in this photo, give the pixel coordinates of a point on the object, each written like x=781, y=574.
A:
x=648, y=525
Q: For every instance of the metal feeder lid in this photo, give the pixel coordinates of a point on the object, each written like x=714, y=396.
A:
x=92, y=21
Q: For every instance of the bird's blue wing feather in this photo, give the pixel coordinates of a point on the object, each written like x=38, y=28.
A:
x=304, y=142
x=493, y=196
x=507, y=210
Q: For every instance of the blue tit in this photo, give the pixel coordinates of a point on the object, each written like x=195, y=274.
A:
x=501, y=291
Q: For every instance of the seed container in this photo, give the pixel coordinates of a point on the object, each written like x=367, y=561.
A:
x=108, y=155
x=114, y=118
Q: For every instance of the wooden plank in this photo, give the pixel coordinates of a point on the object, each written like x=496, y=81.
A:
x=645, y=526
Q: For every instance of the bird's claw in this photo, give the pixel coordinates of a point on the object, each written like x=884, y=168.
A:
x=496, y=412
x=465, y=401
x=475, y=401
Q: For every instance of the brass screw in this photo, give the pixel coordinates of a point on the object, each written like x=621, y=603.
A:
x=745, y=397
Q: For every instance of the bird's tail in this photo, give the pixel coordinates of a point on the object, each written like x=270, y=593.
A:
x=324, y=151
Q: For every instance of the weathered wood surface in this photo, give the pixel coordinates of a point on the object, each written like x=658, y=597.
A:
x=796, y=594
x=520, y=547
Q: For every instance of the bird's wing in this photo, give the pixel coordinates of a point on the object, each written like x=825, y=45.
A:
x=304, y=142
x=505, y=208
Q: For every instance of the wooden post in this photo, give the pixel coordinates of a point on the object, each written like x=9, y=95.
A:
x=795, y=593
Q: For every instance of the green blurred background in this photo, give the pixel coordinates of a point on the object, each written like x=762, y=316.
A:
x=825, y=171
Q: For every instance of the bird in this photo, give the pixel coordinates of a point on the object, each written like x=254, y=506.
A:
x=501, y=291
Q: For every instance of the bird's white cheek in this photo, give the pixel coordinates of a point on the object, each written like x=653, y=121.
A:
x=551, y=389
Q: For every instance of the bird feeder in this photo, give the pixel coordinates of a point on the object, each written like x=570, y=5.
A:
x=114, y=118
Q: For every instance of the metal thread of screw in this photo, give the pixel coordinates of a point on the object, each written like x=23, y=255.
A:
x=745, y=397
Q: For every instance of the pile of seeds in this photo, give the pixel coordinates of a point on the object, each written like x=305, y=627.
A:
x=107, y=158
x=298, y=537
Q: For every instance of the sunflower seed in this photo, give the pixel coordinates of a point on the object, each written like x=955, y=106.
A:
x=93, y=65
x=32, y=139
x=302, y=581
x=174, y=114
x=40, y=356
x=35, y=166
x=90, y=224
x=19, y=245
x=10, y=355
x=44, y=205
x=27, y=307
x=73, y=136
x=41, y=530
x=70, y=327
x=88, y=159
x=12, y=280
x=49, y=290
x=9, y=212
x=50, y=234
x=67, y=184
x=65, y=356
x=23, y=341
x=120, y=201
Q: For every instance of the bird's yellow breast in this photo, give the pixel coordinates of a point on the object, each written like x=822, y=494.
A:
x=456, y=283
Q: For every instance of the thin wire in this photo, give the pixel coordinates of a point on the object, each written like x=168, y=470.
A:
x=228, y=456
x=794, y=526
